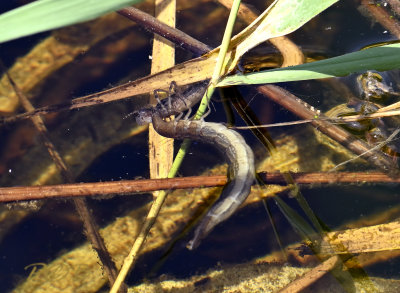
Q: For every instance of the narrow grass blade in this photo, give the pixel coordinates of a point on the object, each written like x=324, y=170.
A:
x=206, y=98
x=303, y=228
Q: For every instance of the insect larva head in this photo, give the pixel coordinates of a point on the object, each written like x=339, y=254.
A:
x=143, y=116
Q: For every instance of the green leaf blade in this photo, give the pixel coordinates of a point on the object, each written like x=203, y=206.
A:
x=43, y=15
x=281, y=18
x=378, y=58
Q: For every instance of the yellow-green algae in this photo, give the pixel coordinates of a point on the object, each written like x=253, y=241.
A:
x=251, y=277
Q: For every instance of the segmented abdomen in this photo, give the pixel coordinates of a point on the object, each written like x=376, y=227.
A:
x=240, y=160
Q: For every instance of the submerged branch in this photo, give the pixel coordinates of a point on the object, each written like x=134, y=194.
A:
x=349, y=141
x=153, y=25
x=11, y=194
x=90, y=225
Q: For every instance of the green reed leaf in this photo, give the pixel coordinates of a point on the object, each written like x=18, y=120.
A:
x=380, y=58
x=281, y=18
x=44, y=15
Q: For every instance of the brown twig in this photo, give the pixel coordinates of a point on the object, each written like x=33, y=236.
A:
x=11, y=194
x=312, y=276
x=357, y=146
x=8, y=194
x=90, y=226
x=382, y=16
x=395, y=5
x=330, y=178
x=176, y=36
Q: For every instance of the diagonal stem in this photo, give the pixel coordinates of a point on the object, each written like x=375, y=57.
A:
x=90, y=227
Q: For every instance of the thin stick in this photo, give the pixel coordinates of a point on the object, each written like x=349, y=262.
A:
x=124, y=187
x=337, y=120
x=383, y=17
x=312, y=276
x=90, y=226
x=390, y=107
x=375, y=148
x=301, y=109
x=129, y=187
x=176, y=36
